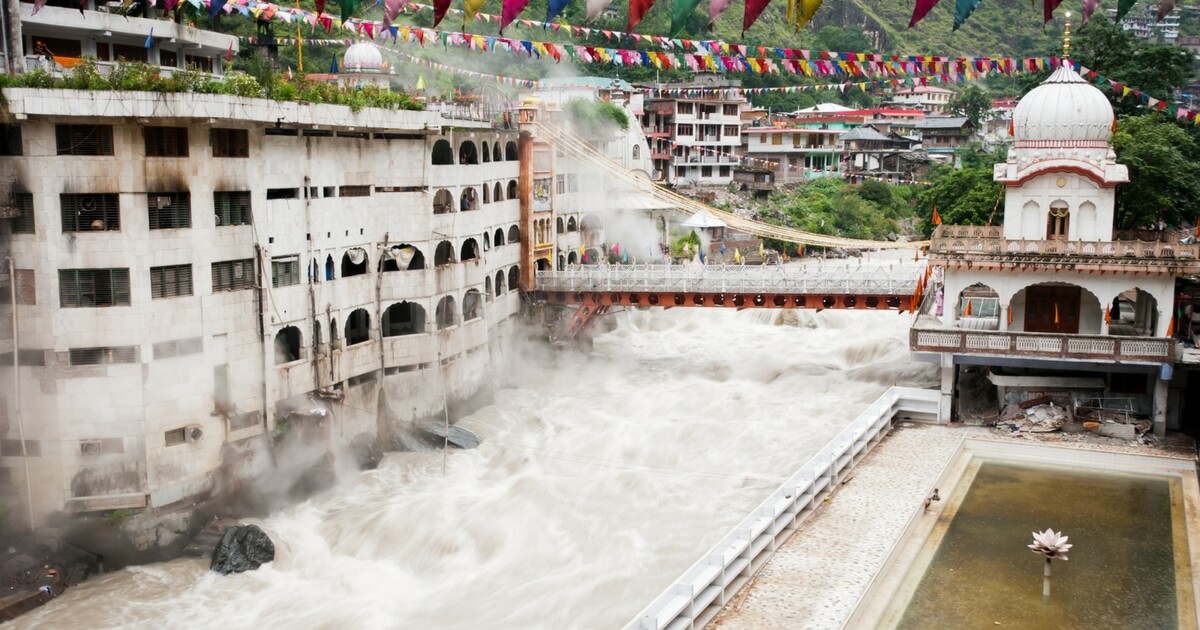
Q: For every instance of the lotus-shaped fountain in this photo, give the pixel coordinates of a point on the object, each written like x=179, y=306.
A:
x=1054, y=546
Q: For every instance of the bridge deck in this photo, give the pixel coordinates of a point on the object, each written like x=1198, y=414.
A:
x=739, y=286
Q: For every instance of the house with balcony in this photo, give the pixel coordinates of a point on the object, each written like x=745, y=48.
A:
x=805, y=149
x=1055, y=302
x=694, y=129
x=941, y=137
x=867, y=151
x=60, y=34
x=930, y=99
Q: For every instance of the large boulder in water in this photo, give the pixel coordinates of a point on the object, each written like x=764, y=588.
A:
x=242, y=548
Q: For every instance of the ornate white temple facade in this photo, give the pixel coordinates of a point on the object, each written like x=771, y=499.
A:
x=1055, y=301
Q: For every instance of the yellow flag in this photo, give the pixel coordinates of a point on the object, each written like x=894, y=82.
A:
x=420, y=82
x=737, y=255
x=760, y=250
x=471, y=7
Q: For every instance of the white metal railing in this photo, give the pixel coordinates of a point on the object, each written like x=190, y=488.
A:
x=973, y=239
x=844, y=280
x=700, y=593
x=1042, y=344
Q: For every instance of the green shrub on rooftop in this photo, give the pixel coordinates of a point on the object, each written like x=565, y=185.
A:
x=140, y=77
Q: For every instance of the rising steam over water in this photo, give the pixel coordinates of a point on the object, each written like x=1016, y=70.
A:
x=601, y=478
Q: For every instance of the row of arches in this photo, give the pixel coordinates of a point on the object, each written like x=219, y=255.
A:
x=469, y=198
x=406, y=257
x=469, y=153
x=562, y=227
x=399, y=319
x=1057, y=307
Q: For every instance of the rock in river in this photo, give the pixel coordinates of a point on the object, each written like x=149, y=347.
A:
x=242, y=548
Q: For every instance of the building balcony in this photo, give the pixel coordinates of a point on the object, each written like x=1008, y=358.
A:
x=930, y=336
x=984, y=247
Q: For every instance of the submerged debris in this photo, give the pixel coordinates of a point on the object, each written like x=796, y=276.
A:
x=242, y=548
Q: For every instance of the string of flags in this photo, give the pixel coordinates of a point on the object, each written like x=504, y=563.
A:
x=823, y=63
x=1124, y=91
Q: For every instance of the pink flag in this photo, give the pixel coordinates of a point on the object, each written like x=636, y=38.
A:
x=1089, y=7
x=715, y=8
x=391, y=8
x=921, y=10
x=510, y=10
x=1048, y=8
x=754, y=8
x=38, y=4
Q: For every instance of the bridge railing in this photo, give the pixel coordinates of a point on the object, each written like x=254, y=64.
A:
x=841, y=280
x=698, y=595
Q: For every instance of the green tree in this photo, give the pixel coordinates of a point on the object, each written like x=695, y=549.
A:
x=972, y=102
x=876, y=192
x=1164, y=175
x=965, y=196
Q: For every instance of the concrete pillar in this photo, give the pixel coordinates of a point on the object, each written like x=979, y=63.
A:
x=1159, y=418
x=1003, y=317
x=946, y=401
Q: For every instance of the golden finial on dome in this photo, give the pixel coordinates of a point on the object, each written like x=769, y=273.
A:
x=1067, y=38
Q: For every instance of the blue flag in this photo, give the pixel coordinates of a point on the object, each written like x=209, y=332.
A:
x=333, y=69
x=215, y=7
x=555, y=7
x=722, y=249
x=149, y=38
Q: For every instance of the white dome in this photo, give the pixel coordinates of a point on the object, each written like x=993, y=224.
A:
x=1064, y=107
x=362, y=56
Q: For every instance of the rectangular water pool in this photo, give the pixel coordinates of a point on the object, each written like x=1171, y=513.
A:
x=1130, y=566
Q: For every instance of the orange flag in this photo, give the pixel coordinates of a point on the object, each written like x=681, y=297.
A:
x=967, y=313
x=937, y=218
x=1010, y=315
x=1107, y=315
x=1056, y=313
x=1171, y=327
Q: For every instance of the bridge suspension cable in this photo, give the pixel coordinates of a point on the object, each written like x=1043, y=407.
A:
x=582, y=150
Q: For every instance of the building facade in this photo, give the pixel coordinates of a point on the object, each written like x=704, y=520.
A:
x=694, y=130
x=932, y=100
x=807, y=148
x=1055, y=302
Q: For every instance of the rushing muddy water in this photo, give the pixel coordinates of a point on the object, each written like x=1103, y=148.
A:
x=600, y=479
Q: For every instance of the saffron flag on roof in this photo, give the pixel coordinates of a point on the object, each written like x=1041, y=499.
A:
x=509, y=11
x=554, y=9
x=754, y=8
x=1089, y=7
x=716, y=8
x=921, y=10
x=637, y=10
x=1048, y=8
x=937, y=218
x=596, y=7
x=964, y=8
x=680, y=10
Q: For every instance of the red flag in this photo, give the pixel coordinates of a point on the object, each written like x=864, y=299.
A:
x=229, y=53
x=921, y=10
x=637, y=10
x=509, y=12
x=440, y=7
x=754, y=8
x=320, y=6
x=1048, y=9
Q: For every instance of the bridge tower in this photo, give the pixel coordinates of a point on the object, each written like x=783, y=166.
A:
x=1055, y=301
x=536, y=189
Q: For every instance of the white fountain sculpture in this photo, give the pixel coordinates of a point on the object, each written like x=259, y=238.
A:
x=1054, y=546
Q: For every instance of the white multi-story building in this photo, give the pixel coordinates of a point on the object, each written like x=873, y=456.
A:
x=694, y=130
x=1145, y=24
x=930, y=99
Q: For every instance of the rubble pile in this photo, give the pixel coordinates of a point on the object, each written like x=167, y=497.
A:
x=1042, y=415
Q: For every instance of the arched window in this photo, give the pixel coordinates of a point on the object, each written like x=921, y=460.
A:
x=469, y=251
x=487, y=241
x=445, y=313
x=467, y=153
x=472, y=305
x=403, y=318
x=510, y=152
x=496, y=152
x=442, y=153
x=333, y=330
x=487, y=155
x=498, y=239
x=497, y=192
x=514, y=278
x=562, y=262
x=560, y=225
x=1058, y=220
x=637, y=151
x=402, y=257
x=287, y=345
x=329, y=267
x=468, y=201
x=314, y=271
x=487, y=195
x=444, y=254
x=572, y=226
x=316, y=335
x=443, y=202
x=358, y=327
x=487, y=288
x=572, y=259
x=354, y=262
x=512, y=189
x=514, y=234
x=543, y=264
x=499, y=283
